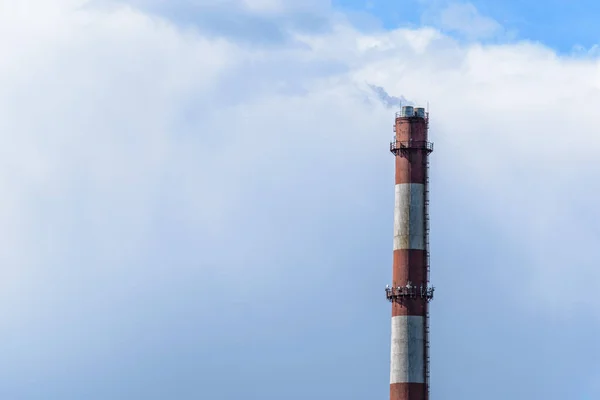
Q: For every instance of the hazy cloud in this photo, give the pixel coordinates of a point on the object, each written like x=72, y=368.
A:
x=463, y=20
x=253, y=22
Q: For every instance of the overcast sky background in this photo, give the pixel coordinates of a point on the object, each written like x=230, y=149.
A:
x=197, y=197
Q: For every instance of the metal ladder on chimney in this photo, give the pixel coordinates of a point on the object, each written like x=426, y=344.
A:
x=426, y=228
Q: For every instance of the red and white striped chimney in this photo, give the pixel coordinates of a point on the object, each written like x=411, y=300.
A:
x=410, y=291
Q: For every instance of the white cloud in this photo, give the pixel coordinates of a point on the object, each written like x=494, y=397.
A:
x=111, y=118
x=516, y=127
x=87, y=110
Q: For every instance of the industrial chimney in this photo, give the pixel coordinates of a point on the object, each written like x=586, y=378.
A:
x=410, y=292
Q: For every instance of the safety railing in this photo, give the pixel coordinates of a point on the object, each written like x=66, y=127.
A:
x=414, y=292
x=397, y=146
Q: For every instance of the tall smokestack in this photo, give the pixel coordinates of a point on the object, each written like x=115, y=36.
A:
x=410, y=292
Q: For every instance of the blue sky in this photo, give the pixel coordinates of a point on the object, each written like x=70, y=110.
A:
x=198, y=198
x=559, y=24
